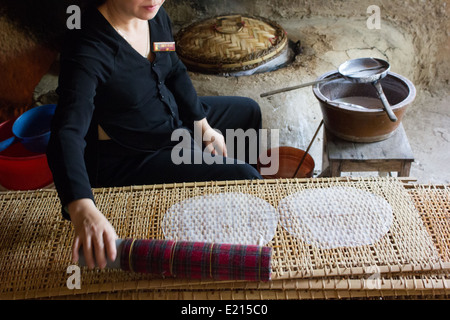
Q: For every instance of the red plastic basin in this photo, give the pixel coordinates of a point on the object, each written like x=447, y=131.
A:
x=21, y=169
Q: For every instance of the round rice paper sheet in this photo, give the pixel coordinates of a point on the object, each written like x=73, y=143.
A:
x=231, y=218
x=336, y=217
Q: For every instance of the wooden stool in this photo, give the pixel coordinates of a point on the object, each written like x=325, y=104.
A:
x=391, y=155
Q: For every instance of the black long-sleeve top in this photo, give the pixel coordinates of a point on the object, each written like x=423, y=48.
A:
x=104, y=81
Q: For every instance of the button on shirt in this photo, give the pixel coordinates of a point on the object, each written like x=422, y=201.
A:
x=104, y=81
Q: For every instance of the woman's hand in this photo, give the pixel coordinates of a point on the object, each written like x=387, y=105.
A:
x=93, y=232
x=213, y=140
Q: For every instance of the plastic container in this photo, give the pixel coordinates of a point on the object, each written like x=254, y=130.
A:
x=286, y=164
x=32, y=129
x=21, y=169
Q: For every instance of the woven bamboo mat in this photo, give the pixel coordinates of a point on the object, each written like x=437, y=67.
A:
x=288, y=294
x=433, y=205
x=412, y=259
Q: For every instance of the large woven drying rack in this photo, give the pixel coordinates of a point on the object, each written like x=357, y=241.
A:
x=35, y=246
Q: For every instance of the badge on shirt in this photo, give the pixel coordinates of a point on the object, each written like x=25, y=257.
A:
x=163, y=46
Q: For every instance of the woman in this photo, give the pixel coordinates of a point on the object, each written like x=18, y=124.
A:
x=120, y=100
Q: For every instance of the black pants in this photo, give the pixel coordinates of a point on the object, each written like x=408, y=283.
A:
x=118, y=166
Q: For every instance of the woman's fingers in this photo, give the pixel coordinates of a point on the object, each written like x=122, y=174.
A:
x=224, y=149
x=220, y=147
x=99, y=249
x=75, y=249
x=93, y=233
x=210, y=148
x=110, y=244
x=88, y=253
x=215, y=143
x=96, y=249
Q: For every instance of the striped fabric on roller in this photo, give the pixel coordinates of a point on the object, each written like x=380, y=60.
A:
x=197, y=260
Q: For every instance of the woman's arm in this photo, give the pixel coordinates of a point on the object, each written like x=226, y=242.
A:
x=82, y=68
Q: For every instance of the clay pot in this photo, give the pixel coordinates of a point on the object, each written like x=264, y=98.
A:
x=361, y=124
x=286, y=163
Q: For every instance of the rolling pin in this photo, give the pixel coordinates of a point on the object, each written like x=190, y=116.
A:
x=192, y=260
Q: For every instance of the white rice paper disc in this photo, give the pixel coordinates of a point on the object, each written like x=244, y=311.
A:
x=231, y=218
x=336, y=217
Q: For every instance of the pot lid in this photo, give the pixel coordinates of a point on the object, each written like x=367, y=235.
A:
x=230, y=43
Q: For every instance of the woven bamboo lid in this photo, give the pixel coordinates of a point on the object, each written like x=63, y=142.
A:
x=230, y=43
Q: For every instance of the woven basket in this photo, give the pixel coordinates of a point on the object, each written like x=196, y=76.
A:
x=230, y=43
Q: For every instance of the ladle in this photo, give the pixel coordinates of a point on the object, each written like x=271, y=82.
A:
x=362, y=70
